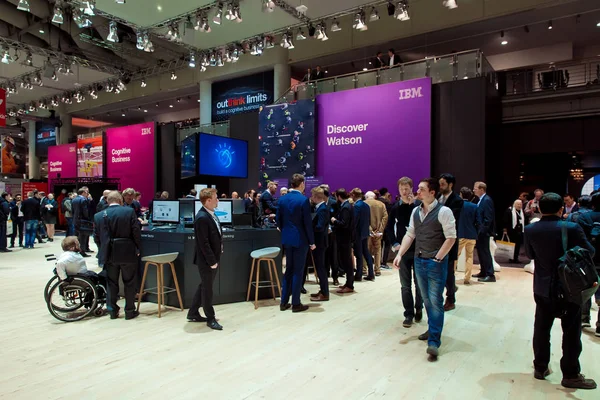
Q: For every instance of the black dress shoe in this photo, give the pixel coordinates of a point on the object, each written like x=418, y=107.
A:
x=12, y=246
x=487, y=279
x=336, y=282
x=424, y=336
x=5, y=251
x=132, y=315
x=85, y=255
x=299, y=308
x=113, y=314
x=407, y=322
x=283, y=307
x=213, y=324
x=89, y=251
x=541, y=375
x=370, y=278
x=357, y=279
x=196, y=318
x=303, y=291
x=579, y=383
x=419, y=316
x=479, y=275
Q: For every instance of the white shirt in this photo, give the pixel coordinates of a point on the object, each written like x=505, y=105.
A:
x=392, y=60
x=20, y=212
x=445, y=218
x=70, y=263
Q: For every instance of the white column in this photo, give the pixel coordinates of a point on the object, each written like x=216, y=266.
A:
x=283, y=79
x=205, y=102
x=34, y=161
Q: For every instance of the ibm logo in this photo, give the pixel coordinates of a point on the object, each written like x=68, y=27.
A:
x=406, y=94
x=146, y=131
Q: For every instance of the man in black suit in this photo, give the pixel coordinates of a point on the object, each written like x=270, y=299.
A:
x=209, y=246
x=394, y=59
x=543, y=243
x=320, y=225
x=485, y=229
x=453, y=201
x=308, y=76
x=4, y=214
x=16, y=215
x=118, y=237
x=31, y=216
x=331, y=256
x=343, y=226
x=318, y=74
x=103, y=204
x=81, y=219
x=269, y=205
x=378, y=61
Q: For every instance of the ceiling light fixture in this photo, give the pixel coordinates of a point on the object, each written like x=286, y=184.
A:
x=550, y=24
x=148, y=46
x=335, y=27
x=374, y=16
x=300, y=35
x=219, y=60
x=238, y=14
x=173, y=76
x=139, y=43
x=450, y=4
x=23, y=5
x=6, y=57
x=268, y=6
x=143, y=84
x=217, y=18
x=173, y=32
x=81, y=20
x=230, y=15
x=88, y=7
x=120, y=1
x=170, y=105
x=192, y=63
x=359, y=21
x=401, y=11
x=113, y=35
x=504, y=42
x=29, y=59
x=58, y=17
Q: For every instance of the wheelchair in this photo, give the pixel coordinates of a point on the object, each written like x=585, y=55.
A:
x=75, y=298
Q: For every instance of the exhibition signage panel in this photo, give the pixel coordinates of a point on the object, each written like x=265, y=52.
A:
x=14, y=156
x=62, y=161
x=89, y=157
x=2, y=107
x=240, y=95
x=370, y=137
x=27, y=187
x=45, y=136
x=130, y=157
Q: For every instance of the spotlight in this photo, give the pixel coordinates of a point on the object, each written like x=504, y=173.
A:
x=219, y=60
x=228, y=56
x=120, y=1
x=204, y=62
x=32, y=107
x=6, y=57
x=121, y=85
x=38, y=79
x=140, y=45
x=88, y=7
x=217, y=18
x=170, y=105
x=58, y=17
x=230, y=15
x=112, y=32
x=598, y=24
x=359, y=21
x=238, y=14
x=202, y=68
x=401, y=11
x=54, y=102
x=450, y=4
x=213, y=60
x=23, y=5
x=374, y=16
x=286, y=41
x=29, y=59
x=81, y=20
x=319, y=32
x=300, y=35
x=504, y=42
x=391, y=8
x=122, y=113
x=269, y=42
x=173, y=32
x=550, y=24
x=173, y=76
x=335, y=27
x=54, y=77
x=192, y=63
x=93, y=93
x=267, y=6
x=235, y=55
x=148, y=46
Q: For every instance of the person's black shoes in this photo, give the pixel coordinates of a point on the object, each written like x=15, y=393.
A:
x=196, y=318
x=12, y=246
x=85, y=255
x=541, y=375
x=303, y=291
x=113, y=314
x=50, y=240
x=370, y=278
x=5, y=251
x=419, y=316
x=424, y=336
x=579, y=383
x=284, y=307
x=132, y=315
x=299, y=308
x=487, y=279
x=586, y=322
x=479, y=275
x=407, y=322
x=213, y=324
x=597, y=330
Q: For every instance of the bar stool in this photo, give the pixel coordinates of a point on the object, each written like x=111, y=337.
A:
x=268, y=255
x=160, y=260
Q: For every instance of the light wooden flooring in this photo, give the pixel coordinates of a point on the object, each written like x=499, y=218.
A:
x=353, y=347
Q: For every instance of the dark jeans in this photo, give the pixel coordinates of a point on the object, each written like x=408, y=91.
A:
x=127, y=272
x=571, y=343
x=331, y=257
x=345, y=260
x=484, y=255
x=70, y=227
x=18, y=226
x=407, y=272
x=204, y=294
x=30, y=232
x=451, y=283
x=295, y=258
x=387, y=246
x=361, y=249
x=431, y=276
x=2, y=235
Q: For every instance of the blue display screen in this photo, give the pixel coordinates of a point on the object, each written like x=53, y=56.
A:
x=221, y=156
x=188, y=156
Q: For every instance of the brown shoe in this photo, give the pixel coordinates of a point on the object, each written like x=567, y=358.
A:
x=319, y=297
x=467, y=282
x=449, y=306
x=345, y=290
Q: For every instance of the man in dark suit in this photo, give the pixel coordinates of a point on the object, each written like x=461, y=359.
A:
x=343, y=226
x=485, y=229
x=378, y=61
x=453, y=201
x=103, y=204
x=31, y=215
x=81, y=219
x=118, y=237
x=331, y=256
x=16, y=215
x=394, y=59
x=269, y=205
x=362, y=225
x=467, y=232
x=293, y=220
x=308, y=76
x=543, y=244
x=209, y=246
x=4, y=214
x=318, y=74
x=320, y=225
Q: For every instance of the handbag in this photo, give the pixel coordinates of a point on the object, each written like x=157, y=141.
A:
x=505, y=247
x=120, y=250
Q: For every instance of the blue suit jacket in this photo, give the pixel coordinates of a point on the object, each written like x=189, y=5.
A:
x=268, y=203
x=486, y=216
x=362, y=219
x=321, y=226
x=293, y=219
x=466, y=224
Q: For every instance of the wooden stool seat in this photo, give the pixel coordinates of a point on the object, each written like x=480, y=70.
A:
x=267, y=255
x=159, y=260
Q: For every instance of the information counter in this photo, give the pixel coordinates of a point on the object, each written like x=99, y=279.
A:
x=231, y=282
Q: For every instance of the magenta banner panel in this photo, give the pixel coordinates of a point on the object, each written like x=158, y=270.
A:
x=370, y=137
x=130, y=157
x=62, y=161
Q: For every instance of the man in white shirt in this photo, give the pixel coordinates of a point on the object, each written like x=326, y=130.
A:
x=433, y=227
x=394, y=58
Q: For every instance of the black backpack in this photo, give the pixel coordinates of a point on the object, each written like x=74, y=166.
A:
x=576, y=272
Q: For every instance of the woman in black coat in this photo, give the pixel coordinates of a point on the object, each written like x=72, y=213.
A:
x=50, y=216
x=514, y=226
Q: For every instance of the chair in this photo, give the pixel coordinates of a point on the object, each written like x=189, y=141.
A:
x=268, y=255
x=160, y=260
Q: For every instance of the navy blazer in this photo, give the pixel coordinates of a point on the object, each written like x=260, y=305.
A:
x=486, y=216
x=293, y=219
x=80, y=210
x=320, y=224
x=208, y=239
x=543, y=243
x=344, y=223
x=122, y=223
x=268, y=203
x=362, y=219
x=466, y=224
x=30, y=209
x=4, y=210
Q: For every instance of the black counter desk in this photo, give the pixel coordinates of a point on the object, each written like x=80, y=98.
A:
x=231, y=282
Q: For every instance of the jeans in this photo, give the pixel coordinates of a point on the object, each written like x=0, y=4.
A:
x=70, y=227
x=18, y=228
x=31, y=227
x=407, y=272
x=361, y=249
x=431, y=276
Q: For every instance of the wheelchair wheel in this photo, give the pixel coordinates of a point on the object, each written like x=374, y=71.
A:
x=72, y=300
x=48, y=286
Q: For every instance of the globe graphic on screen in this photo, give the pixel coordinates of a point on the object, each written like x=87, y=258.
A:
x=225, y=155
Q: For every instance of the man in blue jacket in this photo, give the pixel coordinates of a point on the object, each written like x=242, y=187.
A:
x=294, y=222
x=321, y=230
x=362, y=223
x=485, y=230
x=467, y=232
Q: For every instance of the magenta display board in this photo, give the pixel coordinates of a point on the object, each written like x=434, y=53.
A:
x=370, y=137
x=130, y=157
x=62, y=161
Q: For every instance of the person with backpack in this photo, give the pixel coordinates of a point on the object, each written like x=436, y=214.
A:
x=590, y=222
x=544, y=245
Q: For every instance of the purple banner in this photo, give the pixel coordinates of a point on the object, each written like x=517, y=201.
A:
x=130, y=157
x=370, y=137
x=62, y=161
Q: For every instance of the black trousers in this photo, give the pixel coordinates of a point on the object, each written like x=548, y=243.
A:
x=361, y=250
x=387, y=246
x=484, y=255
x=128, y=274
x=331, y=257
x=571, y=344
x=18, y=226
x=83, y=237
x=3, y=235
x=451, y=283
x=204, y=294
x=517, y=238
x=319, y=257
x=407, y=274
x=345, y=260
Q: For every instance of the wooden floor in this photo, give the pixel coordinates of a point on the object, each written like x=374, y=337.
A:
x=353, y=347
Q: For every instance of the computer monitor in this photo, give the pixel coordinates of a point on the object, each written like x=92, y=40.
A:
x=165, y=211
x=186, y=211
x=223, y=211
x=239, y=206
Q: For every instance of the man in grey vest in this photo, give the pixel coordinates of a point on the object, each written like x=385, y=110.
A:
x=433, y=228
